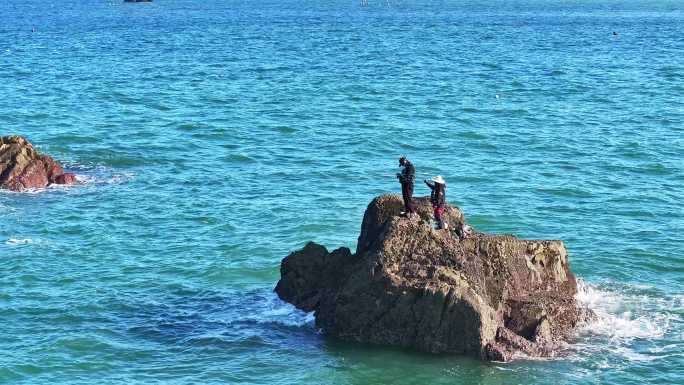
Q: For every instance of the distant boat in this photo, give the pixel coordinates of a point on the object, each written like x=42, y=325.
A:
x=137, y=1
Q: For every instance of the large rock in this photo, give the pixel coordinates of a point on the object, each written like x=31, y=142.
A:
x=22, y=167
x=408, y=285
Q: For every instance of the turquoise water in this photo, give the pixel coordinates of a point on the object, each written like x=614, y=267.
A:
x=214, y=137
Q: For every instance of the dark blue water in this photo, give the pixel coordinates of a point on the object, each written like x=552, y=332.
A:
x=214, y=137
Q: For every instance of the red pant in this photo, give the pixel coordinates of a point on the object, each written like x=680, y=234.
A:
x=439, y=211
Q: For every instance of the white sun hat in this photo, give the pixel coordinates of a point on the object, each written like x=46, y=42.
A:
x=438, y=179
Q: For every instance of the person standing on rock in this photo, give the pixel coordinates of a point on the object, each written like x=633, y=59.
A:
x=438, y=199
x=407, y=177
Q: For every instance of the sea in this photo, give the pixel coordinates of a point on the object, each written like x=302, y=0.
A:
x=212, y=138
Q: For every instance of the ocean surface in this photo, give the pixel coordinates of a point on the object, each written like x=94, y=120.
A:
x=214, y=137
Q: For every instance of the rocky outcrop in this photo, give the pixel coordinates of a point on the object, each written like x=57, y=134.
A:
x=22, y=167
x=408, y=285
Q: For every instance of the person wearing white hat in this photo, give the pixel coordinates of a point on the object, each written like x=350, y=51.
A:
x=438, y=199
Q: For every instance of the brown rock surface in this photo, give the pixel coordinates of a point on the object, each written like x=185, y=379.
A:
x=411, y=286
x=22, y=167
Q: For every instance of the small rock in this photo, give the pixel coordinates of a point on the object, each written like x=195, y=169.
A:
x=66, y=178
x=22, y=167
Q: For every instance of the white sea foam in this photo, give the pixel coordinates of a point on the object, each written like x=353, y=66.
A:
x=285, y=313
x=59, y=186
x=96, y=176
x=623, y=316
x=14, y=241
x=102, y=177
x=27, y=191
x=34, y=191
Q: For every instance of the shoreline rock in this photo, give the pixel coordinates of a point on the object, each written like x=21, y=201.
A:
x=491, y=296
x=22, y=167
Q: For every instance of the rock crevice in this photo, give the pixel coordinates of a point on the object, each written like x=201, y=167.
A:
x=411, y=286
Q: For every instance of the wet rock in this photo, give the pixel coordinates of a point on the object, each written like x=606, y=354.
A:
x=408, y=285
x=22, y=167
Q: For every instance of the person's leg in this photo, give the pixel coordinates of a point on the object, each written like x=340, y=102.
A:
x=409, y=202
x=406, y=197
x=439, y=211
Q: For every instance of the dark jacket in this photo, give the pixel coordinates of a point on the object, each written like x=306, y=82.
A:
x=438, y=194
x=408, y=174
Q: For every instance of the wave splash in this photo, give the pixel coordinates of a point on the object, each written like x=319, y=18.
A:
x=274, y=310
x=636, y=323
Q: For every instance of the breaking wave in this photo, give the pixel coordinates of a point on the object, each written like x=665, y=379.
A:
x=632, y=322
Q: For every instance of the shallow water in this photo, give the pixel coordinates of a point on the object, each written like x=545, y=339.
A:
x=214, y=137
